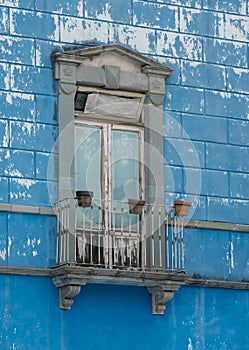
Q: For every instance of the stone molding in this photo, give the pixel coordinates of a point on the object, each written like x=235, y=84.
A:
x=70, y=278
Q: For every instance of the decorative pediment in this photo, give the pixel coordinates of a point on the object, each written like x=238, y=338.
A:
x=113, y=55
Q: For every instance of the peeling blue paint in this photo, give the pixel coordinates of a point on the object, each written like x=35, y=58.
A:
x=239, y=185
x=16, y=50
x=228, y=52
x=73, y=7
x=4, y=20
x=225, y=157
x=34, y=24
x=210, y=257
x=206, y=150
x=17, y=163
x=235, y=6
x=46, y=109
x=43, y=172
x=139, y=39
x=183, y=99
x=4, y=190
x=32, y=136
x=229, y=105
x=155, y=15
x=197, y=313
x=184, y=153
x=238, y=132
x=201, y=22
x=32, y=80
x=173, y=179
x=44, y=49
x=31, y=240
x=77, y=30
x=33, y=192
x=228, y=210
x=206, y=128
x=111, y=10
x=237, y=80
x=19, y=106
x=23, y=4
x=179, y=45
x=203, y=75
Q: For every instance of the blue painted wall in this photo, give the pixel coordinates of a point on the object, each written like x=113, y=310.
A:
x=105, y=317
x=206, y=127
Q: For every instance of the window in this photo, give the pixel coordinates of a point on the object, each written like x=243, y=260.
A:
x=110, y=147
x=108, y=162
x=113, y=226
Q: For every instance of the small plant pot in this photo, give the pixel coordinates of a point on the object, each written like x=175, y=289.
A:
x=84, y=198
x=136, y=206
x=182, y=207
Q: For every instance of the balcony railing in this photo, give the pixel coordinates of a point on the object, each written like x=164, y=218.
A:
x=107, y=234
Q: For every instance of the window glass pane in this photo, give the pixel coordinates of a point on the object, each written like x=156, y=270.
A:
x=125, y=166
x=125, y=177
x=88, y=174
x=88, y=160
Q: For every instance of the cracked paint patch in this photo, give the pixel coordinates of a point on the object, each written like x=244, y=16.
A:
x=78, y=30
x=237, y=28
x=140, y=39
x=105, y=14
x=179, y=45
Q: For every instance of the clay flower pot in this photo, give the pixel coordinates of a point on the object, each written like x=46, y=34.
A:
x=181, y=207
x=84, y=198
x=136, y=206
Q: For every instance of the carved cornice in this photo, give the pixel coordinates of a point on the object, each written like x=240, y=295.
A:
x=148, y=65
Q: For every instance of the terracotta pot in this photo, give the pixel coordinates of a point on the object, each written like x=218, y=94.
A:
x=182, y=207
x=136, y=206
x=84, y=198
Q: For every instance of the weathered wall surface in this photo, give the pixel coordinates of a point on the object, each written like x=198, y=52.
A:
x=206, y=158
x=206, y=101
x=105, y=317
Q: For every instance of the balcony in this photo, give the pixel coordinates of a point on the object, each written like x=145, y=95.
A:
x=128, y=243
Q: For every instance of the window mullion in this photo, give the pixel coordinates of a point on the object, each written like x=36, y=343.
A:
x=141, y=162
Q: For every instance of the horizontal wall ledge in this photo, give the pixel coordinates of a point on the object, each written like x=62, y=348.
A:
x=26, y=209
x=26, y=271
x=191, y=282
x=217, y=284
x=210, y=225
x=216, y=225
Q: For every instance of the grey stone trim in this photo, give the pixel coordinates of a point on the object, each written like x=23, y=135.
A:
x=133, y=81
x=91, y=76
x=193, y=282
x=190, y=282
x=215, y=225
x=78, y=56
x=155, y=99
x=112, y=74
x=86, y=67
x=25, y=271
x=157, y=70
x=26, y=209
x=160, y=297
x=69, y=278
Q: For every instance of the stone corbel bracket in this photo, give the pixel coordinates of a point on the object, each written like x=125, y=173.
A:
x=69, y=287
x=70, y=278
x=160, y=296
